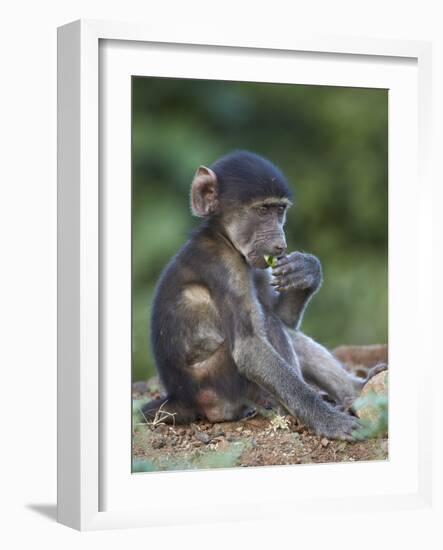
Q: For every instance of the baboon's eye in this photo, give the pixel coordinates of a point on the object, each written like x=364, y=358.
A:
x=280, y=209
x=262, y=210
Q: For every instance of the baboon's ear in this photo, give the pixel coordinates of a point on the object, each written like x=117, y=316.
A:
x=204, y=193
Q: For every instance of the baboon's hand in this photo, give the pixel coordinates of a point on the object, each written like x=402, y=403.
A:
x=297, y=271
x=336, y=425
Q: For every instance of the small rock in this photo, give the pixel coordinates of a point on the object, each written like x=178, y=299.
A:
x=161, y=429
x=324, y=442
x=158, y=443
x=139, y=387
x=203, y=437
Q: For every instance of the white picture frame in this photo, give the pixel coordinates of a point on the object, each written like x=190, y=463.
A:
x=95, y=488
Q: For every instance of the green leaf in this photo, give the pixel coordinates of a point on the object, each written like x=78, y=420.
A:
x=271, y=261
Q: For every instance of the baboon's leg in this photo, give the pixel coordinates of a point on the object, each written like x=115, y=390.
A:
x=320, y=368
x=221, y=391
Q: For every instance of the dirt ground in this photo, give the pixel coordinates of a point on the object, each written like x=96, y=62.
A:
x=267, y=438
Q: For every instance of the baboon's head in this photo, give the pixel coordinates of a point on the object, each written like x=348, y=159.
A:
x=248, y=197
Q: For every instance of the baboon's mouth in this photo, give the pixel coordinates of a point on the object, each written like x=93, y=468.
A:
x=256, y=261
x=271, y=261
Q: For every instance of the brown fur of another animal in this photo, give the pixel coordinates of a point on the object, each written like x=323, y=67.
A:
x=367, y=356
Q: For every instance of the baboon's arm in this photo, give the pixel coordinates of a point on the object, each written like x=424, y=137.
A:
x=296, y=278
x=258, y=361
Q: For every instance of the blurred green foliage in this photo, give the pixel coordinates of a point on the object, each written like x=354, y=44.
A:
x=332, y=144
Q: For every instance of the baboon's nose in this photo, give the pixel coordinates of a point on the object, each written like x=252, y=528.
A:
x=279, y=248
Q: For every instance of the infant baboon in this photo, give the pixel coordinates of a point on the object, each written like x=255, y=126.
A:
x=225, y=330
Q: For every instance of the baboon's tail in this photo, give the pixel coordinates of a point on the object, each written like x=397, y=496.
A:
x=380, y=367
x=360, y=383
x=167, y=410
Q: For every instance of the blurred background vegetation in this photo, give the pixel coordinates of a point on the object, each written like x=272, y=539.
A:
x=332, y=144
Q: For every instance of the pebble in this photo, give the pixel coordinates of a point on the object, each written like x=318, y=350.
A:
x=202, y=436
x=139, y=387
x=324, y=442
x=158, y=443
x=161, y=429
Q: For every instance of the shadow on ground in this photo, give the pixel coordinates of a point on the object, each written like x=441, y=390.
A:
x=48, y=511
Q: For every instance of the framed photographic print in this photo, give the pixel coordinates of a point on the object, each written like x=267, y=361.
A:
x=238, y=235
